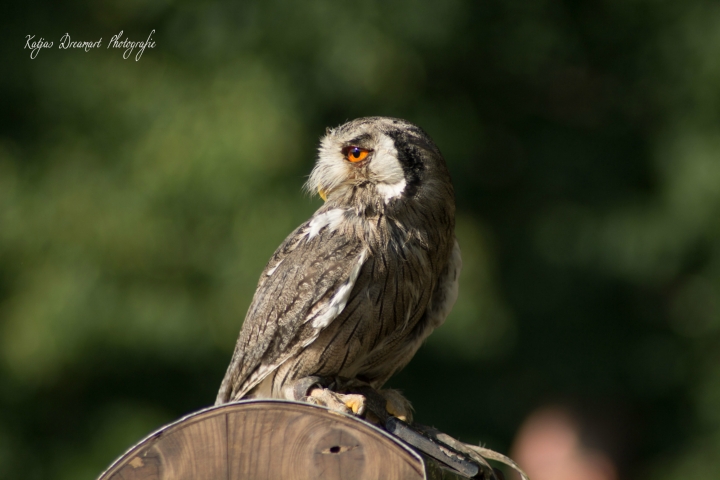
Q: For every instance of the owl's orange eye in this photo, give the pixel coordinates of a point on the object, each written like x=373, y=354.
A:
x=355, y=154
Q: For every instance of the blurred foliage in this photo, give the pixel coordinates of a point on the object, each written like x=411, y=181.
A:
x=139, y=202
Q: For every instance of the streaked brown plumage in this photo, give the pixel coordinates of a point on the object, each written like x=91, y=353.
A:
x=354, y=291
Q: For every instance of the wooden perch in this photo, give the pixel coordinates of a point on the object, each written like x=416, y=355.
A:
x=271, y=439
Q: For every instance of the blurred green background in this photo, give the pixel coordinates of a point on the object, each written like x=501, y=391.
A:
x=140, y=200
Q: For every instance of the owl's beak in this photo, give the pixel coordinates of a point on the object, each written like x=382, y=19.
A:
x=322, y=194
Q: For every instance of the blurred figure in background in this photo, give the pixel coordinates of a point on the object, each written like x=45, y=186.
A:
x=549, y=446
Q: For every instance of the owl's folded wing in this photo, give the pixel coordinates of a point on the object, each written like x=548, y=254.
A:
x=304, y=287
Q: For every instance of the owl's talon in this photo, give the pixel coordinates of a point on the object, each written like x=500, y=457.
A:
x=400, y=414
x=397, y=405
x=355, y=402
x=346, y=403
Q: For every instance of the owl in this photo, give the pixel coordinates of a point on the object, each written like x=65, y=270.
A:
x=351, y=294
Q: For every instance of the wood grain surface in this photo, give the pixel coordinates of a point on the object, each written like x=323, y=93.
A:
x=267, y=439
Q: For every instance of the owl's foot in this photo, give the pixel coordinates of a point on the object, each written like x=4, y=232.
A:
x=355, y=402
x=321, y=391
x=382, y=404
x=341, y=402
x=357, y=397
x=397, y=405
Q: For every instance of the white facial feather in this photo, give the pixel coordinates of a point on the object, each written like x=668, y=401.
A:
x=333, y=171
x=390, y=191
x=386, y=170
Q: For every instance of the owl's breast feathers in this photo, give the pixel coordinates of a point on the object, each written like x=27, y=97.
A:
x=349, y=293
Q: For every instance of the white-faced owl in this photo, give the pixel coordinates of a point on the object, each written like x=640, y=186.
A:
x=352, y=293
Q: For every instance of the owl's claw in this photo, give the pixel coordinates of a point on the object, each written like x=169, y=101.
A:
x=340, y=402
x=397, y=405
x=360, y=398
x=382, y=404
x=355, y=402
x=321, y=391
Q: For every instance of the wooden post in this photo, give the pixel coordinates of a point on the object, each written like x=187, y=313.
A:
x=271, y=439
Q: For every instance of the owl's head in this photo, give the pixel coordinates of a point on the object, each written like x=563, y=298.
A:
x=387, y=158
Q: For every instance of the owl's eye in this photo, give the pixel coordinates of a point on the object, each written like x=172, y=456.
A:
x=355, y=154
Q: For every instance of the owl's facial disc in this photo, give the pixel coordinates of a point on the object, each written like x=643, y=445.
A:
x=358, y=156
x=357, y=153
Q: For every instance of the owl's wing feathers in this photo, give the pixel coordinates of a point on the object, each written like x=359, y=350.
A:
x=304, y=287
